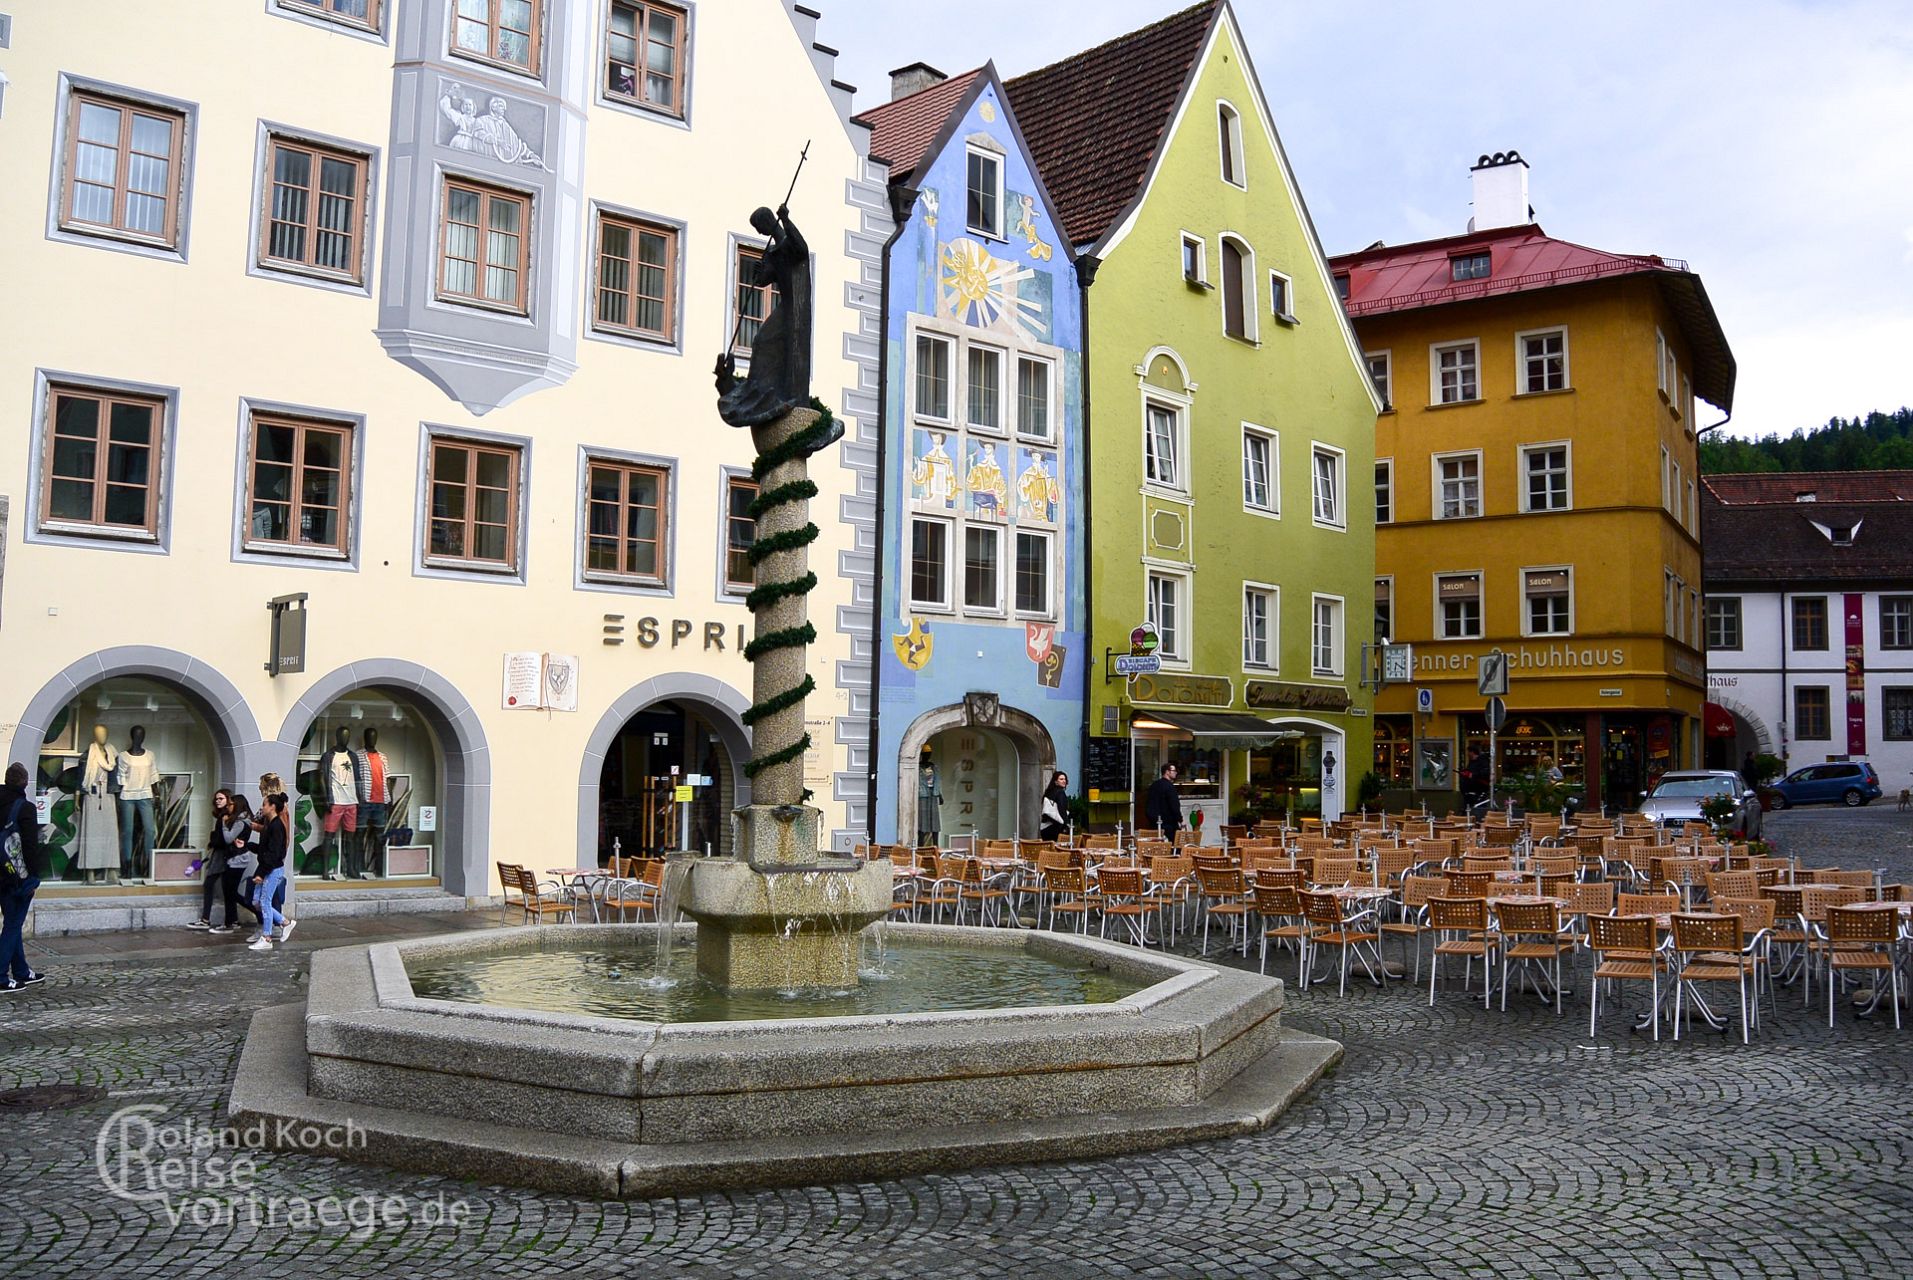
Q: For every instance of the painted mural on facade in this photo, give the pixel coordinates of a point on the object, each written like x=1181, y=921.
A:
x=982, y=581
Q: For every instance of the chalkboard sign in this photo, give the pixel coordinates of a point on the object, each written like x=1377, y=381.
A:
x=1108, y=766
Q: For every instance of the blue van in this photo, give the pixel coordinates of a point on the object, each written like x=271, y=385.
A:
x=1851, y=783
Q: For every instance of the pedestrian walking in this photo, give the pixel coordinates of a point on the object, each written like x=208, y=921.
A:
x=23, y=862
x=229, y=836
x=1162, y=804
x=269, y=876
x=1055, y=820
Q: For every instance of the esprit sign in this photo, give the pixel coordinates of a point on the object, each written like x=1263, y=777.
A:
x=1187, y=691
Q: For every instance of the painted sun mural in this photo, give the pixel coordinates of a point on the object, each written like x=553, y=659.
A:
x=981, y=289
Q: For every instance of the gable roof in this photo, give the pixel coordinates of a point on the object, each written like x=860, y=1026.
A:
x=1751, y=538
x=1386, y=279
x=1094, y=121
x=902, y=131
x=1788, y=487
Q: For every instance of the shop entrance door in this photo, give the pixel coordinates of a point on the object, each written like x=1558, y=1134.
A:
x=659, y=749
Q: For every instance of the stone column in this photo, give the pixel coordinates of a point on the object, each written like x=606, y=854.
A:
x=782, y=668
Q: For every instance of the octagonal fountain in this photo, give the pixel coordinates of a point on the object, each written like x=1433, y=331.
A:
x=804, y=1047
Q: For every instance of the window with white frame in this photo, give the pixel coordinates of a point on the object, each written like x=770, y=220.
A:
x=1033, y=574
x=1723, y=622
x=1259, y=479
x=1457, y=367
x=1673, y=380
x=1457, y=486
x=983, y=567
x=1692, y=518
x=1674, y=488
x=1033, y=397
x=1896, y=622
x=1238, y=290
x=1325, y=637
x=1195, y=254
x=1458, y=606
x=1165, y=614
x=1326, y=471
x=1229, y=136
x=933, y=377
x=1544, y=473
x=1162, y=445
x=1384, y=609
x=1667, y=462
x=1381, y=376
x=929, y=563
x=1258, y=626
x=1548, y=596
x=983, y=204
x=1667, y=601
x=1687, y=399
x=1544, y=361
x=1282, y=297
x=983, y=389
x=1384, y=491
x=1660, y=362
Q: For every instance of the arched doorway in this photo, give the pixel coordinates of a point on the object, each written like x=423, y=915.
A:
x=434, y=747
x=989, y=764
x=369, y=811
x=626, y=788
x=197, y=735
x=1732, y=732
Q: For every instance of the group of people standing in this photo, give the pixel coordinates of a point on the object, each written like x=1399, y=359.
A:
x=245, y=864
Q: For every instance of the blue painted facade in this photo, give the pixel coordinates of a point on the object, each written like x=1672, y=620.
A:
x=981, y=460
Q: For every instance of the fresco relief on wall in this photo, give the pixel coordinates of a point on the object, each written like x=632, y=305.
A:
x=933, y=478
x=986, y=292
x=488, y=129
x=1023, y=218
x=929, y=199
x=989, y=493
x=914, y=647
x=1039, y=496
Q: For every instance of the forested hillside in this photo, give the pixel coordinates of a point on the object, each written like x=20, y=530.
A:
x=1878, y=442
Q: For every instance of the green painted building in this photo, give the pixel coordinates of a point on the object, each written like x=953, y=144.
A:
x=1231, y=434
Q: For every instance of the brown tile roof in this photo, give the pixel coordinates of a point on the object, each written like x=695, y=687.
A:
x=1825, y=486
x=1765, y=535
x=902, y=130
x=1094, y=121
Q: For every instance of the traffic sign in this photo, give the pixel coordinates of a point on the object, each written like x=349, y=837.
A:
x=1491, y=676
x=1138, y=665
x=1497, y=714
x=1425, y=701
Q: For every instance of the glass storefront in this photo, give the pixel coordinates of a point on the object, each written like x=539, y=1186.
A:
x=391, y=831
x=1395, y=751
x=659, y=749
x=117, y=815
x=1530, y=743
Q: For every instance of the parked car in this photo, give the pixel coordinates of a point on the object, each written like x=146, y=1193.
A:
x=1677, y=798
x=1851, y=782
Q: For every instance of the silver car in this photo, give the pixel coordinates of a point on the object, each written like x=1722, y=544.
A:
x=1677, y=797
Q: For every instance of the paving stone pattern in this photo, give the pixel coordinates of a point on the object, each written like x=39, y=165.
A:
x=1451, y=1142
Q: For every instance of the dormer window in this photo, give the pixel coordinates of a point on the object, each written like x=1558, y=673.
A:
x=1341, y=286
x=1469, y=266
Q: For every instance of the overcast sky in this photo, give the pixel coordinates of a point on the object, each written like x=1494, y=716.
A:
x=1768, y=142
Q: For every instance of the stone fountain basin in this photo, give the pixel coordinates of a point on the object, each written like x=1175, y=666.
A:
x=616, y=1107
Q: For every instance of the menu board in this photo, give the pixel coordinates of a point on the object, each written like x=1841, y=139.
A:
x=1108, y=767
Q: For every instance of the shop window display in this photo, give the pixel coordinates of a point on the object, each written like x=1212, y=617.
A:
x=1525, y=742
x=367, y=785
x=129, y=765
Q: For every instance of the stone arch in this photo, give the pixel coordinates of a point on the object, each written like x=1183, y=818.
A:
x=465, y=815
x=1036, y=752
x=236, y=734
x=1764, y=741
x=705, y=692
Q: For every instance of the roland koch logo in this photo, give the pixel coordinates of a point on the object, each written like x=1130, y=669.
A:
x=203, y=1175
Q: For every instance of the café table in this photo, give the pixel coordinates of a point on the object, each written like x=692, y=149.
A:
x=582, y=882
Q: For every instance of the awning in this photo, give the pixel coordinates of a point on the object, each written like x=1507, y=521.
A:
x=1718, y=720
x=1227, y=729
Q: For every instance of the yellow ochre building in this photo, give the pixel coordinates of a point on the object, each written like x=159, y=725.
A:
x=1535, y=492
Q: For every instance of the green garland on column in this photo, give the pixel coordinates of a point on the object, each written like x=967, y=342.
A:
x=768, y=593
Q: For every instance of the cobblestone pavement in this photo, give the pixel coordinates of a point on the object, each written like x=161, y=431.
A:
x=1451, y=1142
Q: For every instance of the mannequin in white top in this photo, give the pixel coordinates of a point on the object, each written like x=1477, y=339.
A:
x=337, y=803
x=138, y=774
x=99, y=818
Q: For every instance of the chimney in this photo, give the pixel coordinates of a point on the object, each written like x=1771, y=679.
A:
x=1501, y=192
x=914, y=78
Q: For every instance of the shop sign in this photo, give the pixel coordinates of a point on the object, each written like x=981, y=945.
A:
x=1187, y=691
x=1143, y=641
x=650, y=632
x=288, y=655
x=1295, y=697
x=1131, y=664
x=1554, y=657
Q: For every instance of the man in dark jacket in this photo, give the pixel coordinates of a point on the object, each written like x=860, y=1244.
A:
x=16, y=896
x=1162, y=804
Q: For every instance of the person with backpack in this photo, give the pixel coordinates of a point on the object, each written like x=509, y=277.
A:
x=23, y=862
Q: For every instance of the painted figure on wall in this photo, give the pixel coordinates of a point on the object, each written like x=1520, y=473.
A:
x=989, y=494
x=492, y=134
x=933, y=474
x=930, y=200
x=1023, y=216
x=1037, y=488
x=914, y=646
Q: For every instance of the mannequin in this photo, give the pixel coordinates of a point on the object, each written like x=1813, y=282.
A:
x=338, y=801
x=375, y=806
x=99, y=817
x=929, y=805
x=138, y=773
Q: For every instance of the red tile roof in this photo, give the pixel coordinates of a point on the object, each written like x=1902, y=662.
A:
x=1095, y=120
x=1787, y=487
x=1387, y=279
x=902, y=130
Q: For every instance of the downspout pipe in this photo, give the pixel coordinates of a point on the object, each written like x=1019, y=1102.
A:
x=903, y=202
x=1086, y=268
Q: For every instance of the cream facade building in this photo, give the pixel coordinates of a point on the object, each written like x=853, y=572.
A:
x=410, y=307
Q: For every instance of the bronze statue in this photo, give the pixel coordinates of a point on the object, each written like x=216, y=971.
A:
x=779, y=377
